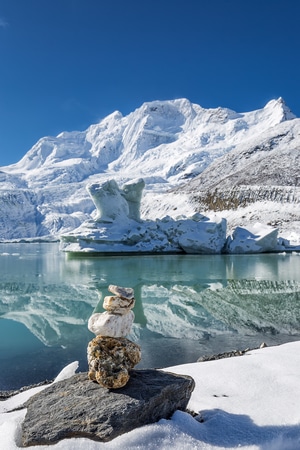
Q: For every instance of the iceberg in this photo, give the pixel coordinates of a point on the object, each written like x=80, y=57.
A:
x=117, y=227
x=256, y=239
x=259, y=238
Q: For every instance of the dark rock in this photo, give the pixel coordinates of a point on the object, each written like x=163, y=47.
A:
x=78, y=407
x=4, y=395
x=229, y=354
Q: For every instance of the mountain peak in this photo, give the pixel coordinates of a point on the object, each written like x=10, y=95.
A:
x=279, y=107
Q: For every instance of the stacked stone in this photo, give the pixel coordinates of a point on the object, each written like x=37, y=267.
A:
x=110, y=354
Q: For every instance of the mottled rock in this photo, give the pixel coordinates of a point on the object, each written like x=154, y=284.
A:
x=110, y=360
x=118, y=305
x=122, y=292
x=77, y=407
x=108, y=324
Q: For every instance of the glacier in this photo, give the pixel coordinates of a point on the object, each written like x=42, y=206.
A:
x=193, y=161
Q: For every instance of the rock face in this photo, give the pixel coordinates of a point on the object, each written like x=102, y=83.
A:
x=110, y=360
x=78, y=408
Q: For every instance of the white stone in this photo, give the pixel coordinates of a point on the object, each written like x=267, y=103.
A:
x=113, y=325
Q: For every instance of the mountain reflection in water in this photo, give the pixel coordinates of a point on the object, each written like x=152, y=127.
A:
x=187, y=306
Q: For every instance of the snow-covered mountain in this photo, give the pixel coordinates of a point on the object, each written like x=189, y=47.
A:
x=191, y=158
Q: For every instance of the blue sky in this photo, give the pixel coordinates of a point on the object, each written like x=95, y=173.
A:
x=65, y=64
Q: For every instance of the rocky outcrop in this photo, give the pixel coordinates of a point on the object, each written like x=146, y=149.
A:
x=229, y=196
x=78, y=407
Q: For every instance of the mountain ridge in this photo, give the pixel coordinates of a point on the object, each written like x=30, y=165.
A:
x=175, y=145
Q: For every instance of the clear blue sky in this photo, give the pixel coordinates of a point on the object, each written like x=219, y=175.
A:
x=65, y=64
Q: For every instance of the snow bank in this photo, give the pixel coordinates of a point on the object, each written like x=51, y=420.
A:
x=250, y=402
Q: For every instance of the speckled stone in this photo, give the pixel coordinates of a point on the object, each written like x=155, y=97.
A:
x=118, y=305
x=109, y=324
x=122, y=292
x=110, y=360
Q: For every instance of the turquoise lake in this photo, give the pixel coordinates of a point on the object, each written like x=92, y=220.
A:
x=187, y=306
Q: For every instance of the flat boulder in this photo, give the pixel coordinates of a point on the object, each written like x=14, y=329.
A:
x=78, y=407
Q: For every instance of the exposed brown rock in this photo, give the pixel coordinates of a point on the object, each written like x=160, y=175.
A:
x=110, y=360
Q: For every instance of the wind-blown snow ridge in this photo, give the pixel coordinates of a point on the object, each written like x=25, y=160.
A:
x=168, y=143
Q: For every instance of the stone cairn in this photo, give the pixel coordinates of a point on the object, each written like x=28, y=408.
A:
x=110, y=354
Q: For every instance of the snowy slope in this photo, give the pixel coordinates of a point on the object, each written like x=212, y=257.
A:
x=257, y=180
x=249, y=402
x=168, y=143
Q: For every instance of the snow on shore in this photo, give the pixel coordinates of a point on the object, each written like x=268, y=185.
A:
x=249, y=402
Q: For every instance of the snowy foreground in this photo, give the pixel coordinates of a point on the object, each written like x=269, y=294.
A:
x=249, y=402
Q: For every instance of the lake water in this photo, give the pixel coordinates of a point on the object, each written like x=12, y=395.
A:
x=187, y=306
